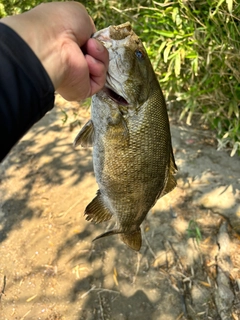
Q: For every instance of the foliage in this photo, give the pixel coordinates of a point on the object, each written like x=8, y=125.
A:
x=194, y=46
x=10, y=7
x=193, y=231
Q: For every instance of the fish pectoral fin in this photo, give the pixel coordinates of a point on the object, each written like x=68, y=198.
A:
x=116, y=119
x=85, y=136
x=132, y=240
x=96, y=211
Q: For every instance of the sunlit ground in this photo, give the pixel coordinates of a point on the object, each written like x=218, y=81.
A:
x=191, y=247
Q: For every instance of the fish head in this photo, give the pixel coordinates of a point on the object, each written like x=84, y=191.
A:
x=130, y=74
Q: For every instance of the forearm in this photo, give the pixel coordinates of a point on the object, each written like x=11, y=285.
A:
x=26, y=91
x=41, y=39
x=40, y=52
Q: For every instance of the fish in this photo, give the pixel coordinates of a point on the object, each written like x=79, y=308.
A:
x=129, y=131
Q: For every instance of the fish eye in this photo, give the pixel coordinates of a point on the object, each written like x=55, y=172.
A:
x=139, y=54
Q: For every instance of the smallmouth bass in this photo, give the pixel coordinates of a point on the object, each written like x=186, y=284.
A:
x=129, y=131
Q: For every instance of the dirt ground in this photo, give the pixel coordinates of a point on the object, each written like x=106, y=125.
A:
x=189, y=264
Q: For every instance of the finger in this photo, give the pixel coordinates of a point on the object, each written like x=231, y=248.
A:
x=81, y=14
x=75, y=84
x=93, y=25
x=97, y=72
x=95, y=49
x=74, y=18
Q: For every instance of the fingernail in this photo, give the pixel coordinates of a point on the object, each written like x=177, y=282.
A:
x=99, y=46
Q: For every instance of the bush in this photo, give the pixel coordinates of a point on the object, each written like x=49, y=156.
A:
x=194, y=46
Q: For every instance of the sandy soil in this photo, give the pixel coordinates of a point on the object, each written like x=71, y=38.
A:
x=189, y=264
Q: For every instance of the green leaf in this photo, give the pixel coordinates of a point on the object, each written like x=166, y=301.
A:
x=165, y=33
x=225, y=135
x=235, y=148
x=195, y=66
x=198, y=232
x=217, y=7
x=167, y=51
x=177, y=65
x=191, y=55
x=229, y=5
x=162, y=46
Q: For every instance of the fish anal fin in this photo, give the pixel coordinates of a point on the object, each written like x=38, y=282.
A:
x=171, y=181
x=173, y=166
x=171, y=184
x=132, y=240
x=85, y=136
x=96, y=211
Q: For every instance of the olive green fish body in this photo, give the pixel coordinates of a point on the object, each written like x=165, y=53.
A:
x=129, y=130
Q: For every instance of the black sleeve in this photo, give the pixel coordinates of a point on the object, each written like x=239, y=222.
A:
x=26, y=91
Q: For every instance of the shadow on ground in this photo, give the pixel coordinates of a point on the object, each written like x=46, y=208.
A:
x=54, y=271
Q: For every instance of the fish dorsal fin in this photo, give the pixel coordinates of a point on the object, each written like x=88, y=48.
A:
x=85, y=136
x=96, y=211
x=132, y=240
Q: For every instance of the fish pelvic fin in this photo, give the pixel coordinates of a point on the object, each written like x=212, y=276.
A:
x=96, y=211
x=85, y=136
x=106, y=234
x=133, y=240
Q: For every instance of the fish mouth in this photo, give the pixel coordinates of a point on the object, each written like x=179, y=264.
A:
x=115, y=96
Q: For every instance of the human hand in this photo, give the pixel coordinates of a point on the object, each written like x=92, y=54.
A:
x=59, y=33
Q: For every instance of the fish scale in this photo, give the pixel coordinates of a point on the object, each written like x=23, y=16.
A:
x=129, y=131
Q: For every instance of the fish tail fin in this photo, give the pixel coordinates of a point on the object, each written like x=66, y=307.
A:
x=96, y=211
x=132, y=240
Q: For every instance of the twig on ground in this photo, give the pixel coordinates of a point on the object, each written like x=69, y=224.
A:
x=63, y=214
x=3, y=286
x=25, y=315
x=86, y=293
x=182, y=297
x=137, y=269
x=148, y=245
x=174, y=251
x=100, y=306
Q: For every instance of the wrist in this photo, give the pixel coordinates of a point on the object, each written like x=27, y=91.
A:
x=34, y=34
